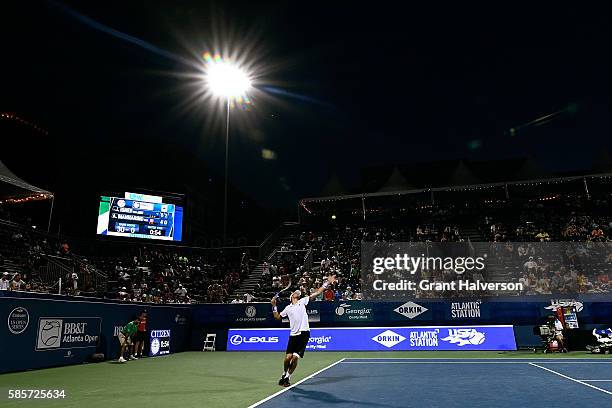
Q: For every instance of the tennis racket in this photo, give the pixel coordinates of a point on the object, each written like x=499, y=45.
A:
x=286, y=288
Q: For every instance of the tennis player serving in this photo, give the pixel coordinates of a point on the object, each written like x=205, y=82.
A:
x=300, y=329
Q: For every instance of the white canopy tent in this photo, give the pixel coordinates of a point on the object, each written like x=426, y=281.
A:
x=15, y=189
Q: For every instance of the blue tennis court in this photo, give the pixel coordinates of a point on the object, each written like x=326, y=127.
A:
x=395, y=382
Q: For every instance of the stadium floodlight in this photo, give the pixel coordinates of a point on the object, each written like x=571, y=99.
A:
x=226, y=80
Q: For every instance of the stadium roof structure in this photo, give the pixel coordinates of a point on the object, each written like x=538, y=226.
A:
x=467, y=187
x=396, y=181
x=13, y=186
x=334, y=186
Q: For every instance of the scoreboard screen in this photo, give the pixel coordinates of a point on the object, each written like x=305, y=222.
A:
x=140, y=216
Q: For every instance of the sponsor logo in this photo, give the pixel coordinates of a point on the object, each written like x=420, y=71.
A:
x=465, y=309
x=427, y=338
x=49, y=333
x=470, y=337
x=320, y=339
x=410, y=310
x=388, y=338
x=160, y=342
x=250, y=311
x=68, y=354
x=67, y=332
x=318, y=342
x=182, y=320
x=555, y=303
x=346, y=312
x=237, y=339
x=340, y=309
x=18, y=320
x=462, y=337
x=250, y=315
x=117, y=330
x=160, y=333
x=155, y=346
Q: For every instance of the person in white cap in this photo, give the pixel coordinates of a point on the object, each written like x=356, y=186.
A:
x=181, y=292
x=5, y=282
x=300, y=329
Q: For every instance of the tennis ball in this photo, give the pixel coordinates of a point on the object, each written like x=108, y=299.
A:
x=477, y=338
x=50, y=332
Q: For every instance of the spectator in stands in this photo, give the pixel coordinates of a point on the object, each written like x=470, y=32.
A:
x=597, y=234
x=237, y=299
x=543, y=286
x=338, y=294
x=522, y=251
x=328, y=294
x=123, y=295
x=17, y=283
x=181, y=292
x=265, y=272
x=5, y=282
x=557, y=281
x=477, y=276
x=74, y=283
x=348, y=294
x=530, y=265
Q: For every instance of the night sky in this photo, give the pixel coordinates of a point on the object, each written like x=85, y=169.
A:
x=340, y=87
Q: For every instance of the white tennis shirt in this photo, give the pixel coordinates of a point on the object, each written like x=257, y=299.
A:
x=298, y=318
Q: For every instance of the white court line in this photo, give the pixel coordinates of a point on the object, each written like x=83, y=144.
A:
x=293, y=385
x=468, y=358
x=424, y=361
x=572, y=379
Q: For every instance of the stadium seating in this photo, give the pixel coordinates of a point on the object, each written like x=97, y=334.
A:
x=304, y=255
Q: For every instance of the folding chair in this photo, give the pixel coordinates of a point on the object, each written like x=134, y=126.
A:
x=209, y=342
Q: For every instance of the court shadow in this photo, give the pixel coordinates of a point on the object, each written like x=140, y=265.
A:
x=327, y=398
x=331, y=380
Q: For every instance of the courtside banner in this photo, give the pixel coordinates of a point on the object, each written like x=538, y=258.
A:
x=499, y=337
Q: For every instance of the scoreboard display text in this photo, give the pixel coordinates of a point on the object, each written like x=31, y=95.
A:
x=139, y=216
x=159, y=343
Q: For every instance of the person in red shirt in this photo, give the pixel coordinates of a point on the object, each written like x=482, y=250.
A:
x=328, y=295
x=141, y=334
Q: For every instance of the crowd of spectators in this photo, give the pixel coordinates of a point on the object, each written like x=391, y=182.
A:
x=159, y=274
x=560, y=245
x=525, y=242
x=515, y=234
x=33, y=261
x=337, y=251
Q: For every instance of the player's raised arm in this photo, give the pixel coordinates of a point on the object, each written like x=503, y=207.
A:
x=330, y=279
x=277, y=315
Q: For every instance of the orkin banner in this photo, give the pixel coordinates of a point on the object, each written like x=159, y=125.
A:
x=410, y=310
x=500, y=337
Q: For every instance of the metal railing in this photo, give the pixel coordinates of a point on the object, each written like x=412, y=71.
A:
x=52, y=272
